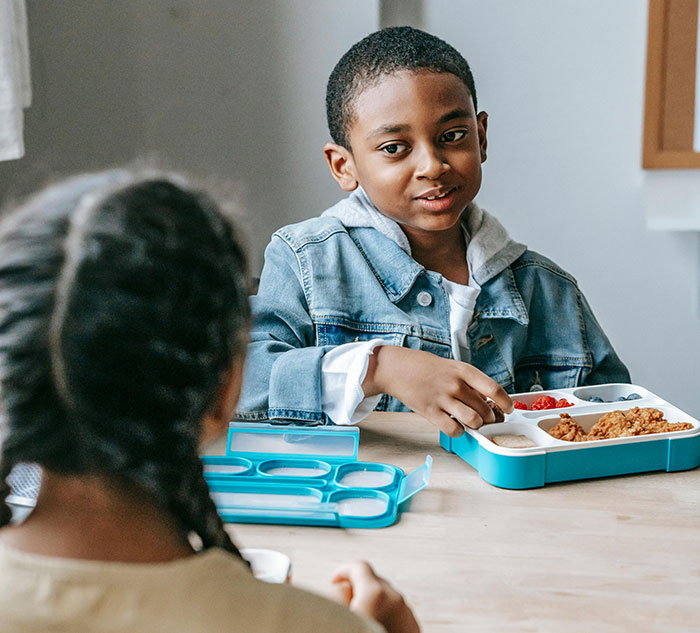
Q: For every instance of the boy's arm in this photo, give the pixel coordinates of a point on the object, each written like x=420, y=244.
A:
x=283, y=368
x=287, y=376
x=607, y=366
x=449, y=393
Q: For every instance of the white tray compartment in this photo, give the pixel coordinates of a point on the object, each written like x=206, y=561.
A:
x=589, y=418
x=531, y=431
x=611, y=392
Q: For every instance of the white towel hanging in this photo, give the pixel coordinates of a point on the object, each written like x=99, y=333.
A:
x=15, y=87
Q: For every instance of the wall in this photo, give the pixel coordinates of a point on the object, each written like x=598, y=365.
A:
x=236, y=90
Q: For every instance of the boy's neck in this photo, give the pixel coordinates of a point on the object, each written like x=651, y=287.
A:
x=444, y=252
x=88, y=517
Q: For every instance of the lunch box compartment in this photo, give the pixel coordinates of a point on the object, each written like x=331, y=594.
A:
x=539, y=437
x=366, y=475
x=294, y=468
x=611, y=393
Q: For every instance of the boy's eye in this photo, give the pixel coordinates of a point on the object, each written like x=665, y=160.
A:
x=453, y=136
x=393, y=148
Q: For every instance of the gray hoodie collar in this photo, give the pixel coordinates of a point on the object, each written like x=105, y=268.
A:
x=490, y=249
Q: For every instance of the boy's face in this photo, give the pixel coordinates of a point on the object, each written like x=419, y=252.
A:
x=417, y=148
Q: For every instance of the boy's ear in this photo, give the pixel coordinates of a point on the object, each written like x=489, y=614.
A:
x=481, y=122
x=342, y=166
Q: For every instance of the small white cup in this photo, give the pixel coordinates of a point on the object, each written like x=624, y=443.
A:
x=268, y=564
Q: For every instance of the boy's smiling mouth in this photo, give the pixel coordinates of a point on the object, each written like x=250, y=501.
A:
x=436, y=194
x=438, y=199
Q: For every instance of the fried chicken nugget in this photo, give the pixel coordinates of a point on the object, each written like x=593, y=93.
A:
x=568, y=429
x=617, y=423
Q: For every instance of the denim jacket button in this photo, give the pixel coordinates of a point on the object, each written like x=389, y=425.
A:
x=424, y=298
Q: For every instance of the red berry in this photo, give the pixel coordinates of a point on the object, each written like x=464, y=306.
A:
x=563, y=402
x=519, y=405
x=544, y=402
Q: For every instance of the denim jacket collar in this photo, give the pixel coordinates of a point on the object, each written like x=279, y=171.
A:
x=490, y=249
x=490, y=252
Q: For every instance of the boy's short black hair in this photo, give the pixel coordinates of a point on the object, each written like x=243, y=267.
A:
x=386, y=51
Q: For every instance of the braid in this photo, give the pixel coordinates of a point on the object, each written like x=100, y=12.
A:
x=195, y=504
x=32, y=422
x=145, y=317
x=5, y=490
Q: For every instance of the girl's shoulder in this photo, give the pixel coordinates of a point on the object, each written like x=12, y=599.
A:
x=212, y=591
x=277, y=607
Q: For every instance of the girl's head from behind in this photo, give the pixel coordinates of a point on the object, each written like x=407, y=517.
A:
x=123, y=313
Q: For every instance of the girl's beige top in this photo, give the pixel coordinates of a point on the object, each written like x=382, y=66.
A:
x=212, y=591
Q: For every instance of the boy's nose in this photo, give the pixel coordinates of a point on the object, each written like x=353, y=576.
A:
x=431, y=164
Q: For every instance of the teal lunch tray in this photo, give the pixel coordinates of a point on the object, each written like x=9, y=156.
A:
x=553, y=460
x=275, y=473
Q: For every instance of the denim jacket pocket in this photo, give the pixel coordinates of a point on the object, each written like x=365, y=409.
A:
x=549, y=374
x=338, y=331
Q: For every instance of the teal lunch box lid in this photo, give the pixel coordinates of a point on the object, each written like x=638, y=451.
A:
x=306, y=476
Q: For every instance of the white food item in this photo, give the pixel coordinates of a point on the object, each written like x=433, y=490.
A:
x=509, y=440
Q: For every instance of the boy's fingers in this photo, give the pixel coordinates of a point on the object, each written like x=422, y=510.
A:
x=488, y=388
x=473, y=400
x=502, y=399
x=466, y=415
x=447, y=424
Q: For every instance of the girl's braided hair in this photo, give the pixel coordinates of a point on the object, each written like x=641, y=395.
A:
x=123, y=303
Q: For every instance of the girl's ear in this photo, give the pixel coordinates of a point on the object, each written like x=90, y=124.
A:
x=481, y=121
x=342, y=166
x=215, y=422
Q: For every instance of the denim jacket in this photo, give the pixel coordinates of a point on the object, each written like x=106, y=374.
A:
x=325, y=283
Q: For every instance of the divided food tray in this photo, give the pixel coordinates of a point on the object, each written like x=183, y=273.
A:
x=553, y=460
x=295, y=475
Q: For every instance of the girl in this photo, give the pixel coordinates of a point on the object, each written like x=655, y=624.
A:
x=123, y=322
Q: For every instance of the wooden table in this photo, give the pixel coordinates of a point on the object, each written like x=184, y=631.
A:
x=620, y=554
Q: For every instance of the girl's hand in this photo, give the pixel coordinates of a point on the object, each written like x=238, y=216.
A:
x=448, y=393
x=356, y=585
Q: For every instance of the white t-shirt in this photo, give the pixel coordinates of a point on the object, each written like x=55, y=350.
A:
x=212, y=591
x=462, y=303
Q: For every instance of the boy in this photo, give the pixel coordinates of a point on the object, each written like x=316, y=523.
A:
x=406, y=295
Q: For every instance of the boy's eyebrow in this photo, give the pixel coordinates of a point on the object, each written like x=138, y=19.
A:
x=457, y=113
x=393, y=128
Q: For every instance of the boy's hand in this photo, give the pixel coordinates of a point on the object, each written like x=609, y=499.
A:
x=448, y=393
x=358, y=586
